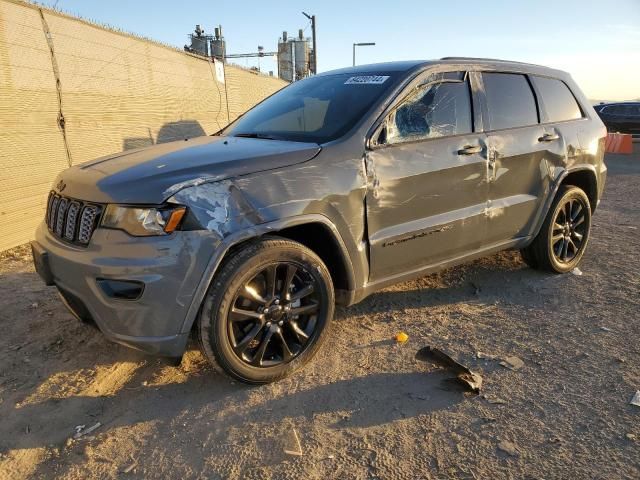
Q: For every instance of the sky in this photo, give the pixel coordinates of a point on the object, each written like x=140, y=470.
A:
x=597, y=42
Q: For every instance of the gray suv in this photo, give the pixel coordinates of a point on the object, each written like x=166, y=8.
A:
x=332, y=188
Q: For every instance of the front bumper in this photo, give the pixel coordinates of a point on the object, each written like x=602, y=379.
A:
x=169, y=268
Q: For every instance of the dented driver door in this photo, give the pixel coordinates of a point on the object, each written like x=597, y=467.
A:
x=427, y=181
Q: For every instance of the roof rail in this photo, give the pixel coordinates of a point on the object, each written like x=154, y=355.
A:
x=486, y=60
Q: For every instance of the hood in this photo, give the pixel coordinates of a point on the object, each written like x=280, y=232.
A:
x=151, y=175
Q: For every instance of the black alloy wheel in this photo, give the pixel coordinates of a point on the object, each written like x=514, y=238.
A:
x=569, y=230
x=267, y=310
x=274, y=314
x=559, y=245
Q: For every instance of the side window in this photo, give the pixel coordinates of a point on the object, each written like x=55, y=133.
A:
x=434, y=110
x=612, y=110
x=558, y=101
x=510, y=100
x=631, y=110
x=625, y=110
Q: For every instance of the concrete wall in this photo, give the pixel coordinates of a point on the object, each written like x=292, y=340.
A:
x=115, y=92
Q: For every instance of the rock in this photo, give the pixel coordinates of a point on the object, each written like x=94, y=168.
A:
x=631, y=436
x=512, y=363
x=509, y=448
x=636, y=399
x=576, y=271
x=485, y=356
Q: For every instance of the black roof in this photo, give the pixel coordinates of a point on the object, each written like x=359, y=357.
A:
x=399, y=66
x=407, y=65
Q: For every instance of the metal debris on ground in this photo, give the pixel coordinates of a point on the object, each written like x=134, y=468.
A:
x=636, y=399
x=402, y=337
x=292, y=443
x=471, y=380
x=81, y=431
x=512, y=363
x=576, y=271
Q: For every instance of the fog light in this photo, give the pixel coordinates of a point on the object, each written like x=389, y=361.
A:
x=121, y=289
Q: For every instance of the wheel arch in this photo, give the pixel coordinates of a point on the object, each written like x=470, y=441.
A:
x=581, y=175
x=584, y=178
x=313, y=230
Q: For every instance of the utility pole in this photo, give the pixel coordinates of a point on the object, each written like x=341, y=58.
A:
x=315, y=45
x=366, y=44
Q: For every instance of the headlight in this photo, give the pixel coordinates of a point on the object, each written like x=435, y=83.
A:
x=142, y=221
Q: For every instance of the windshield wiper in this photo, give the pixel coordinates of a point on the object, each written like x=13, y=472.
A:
x=255, y=135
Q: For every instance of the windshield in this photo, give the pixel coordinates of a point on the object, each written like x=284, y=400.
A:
x=317, y=109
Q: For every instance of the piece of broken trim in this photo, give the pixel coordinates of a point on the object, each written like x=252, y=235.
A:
x=471, y=380
x=81, y=432
x=636, y=399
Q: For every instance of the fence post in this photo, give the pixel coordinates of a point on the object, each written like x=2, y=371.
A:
x=56, y=74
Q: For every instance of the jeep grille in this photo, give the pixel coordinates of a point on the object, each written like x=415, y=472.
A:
x=72, y=220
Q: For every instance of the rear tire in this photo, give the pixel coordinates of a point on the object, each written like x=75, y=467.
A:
x=267, y=311
x=563, y=238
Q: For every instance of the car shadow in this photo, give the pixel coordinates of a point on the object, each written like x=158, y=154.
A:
x=151, y=391
x=483, y=281
x=369, y=400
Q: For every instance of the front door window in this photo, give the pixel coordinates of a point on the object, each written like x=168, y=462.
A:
x=432, y=111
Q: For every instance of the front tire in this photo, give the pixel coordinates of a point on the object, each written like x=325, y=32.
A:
x=563, y=238
x=267, y=311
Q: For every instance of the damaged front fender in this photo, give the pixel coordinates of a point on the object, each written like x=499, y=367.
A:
x=219, y=207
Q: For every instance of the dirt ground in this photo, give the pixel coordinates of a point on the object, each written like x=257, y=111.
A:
x=364, y=408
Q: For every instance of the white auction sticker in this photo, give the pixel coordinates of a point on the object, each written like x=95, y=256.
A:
x=367, y=80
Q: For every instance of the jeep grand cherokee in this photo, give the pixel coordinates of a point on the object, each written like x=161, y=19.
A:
x=332, y=188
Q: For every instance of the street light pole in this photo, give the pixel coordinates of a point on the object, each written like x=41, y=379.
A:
x=315, y=46
x=366, y=44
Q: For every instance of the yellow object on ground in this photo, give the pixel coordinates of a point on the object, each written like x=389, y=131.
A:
x=402, y=337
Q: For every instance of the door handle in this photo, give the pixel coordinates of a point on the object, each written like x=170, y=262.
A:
x=549, y=137
x=470, y=150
